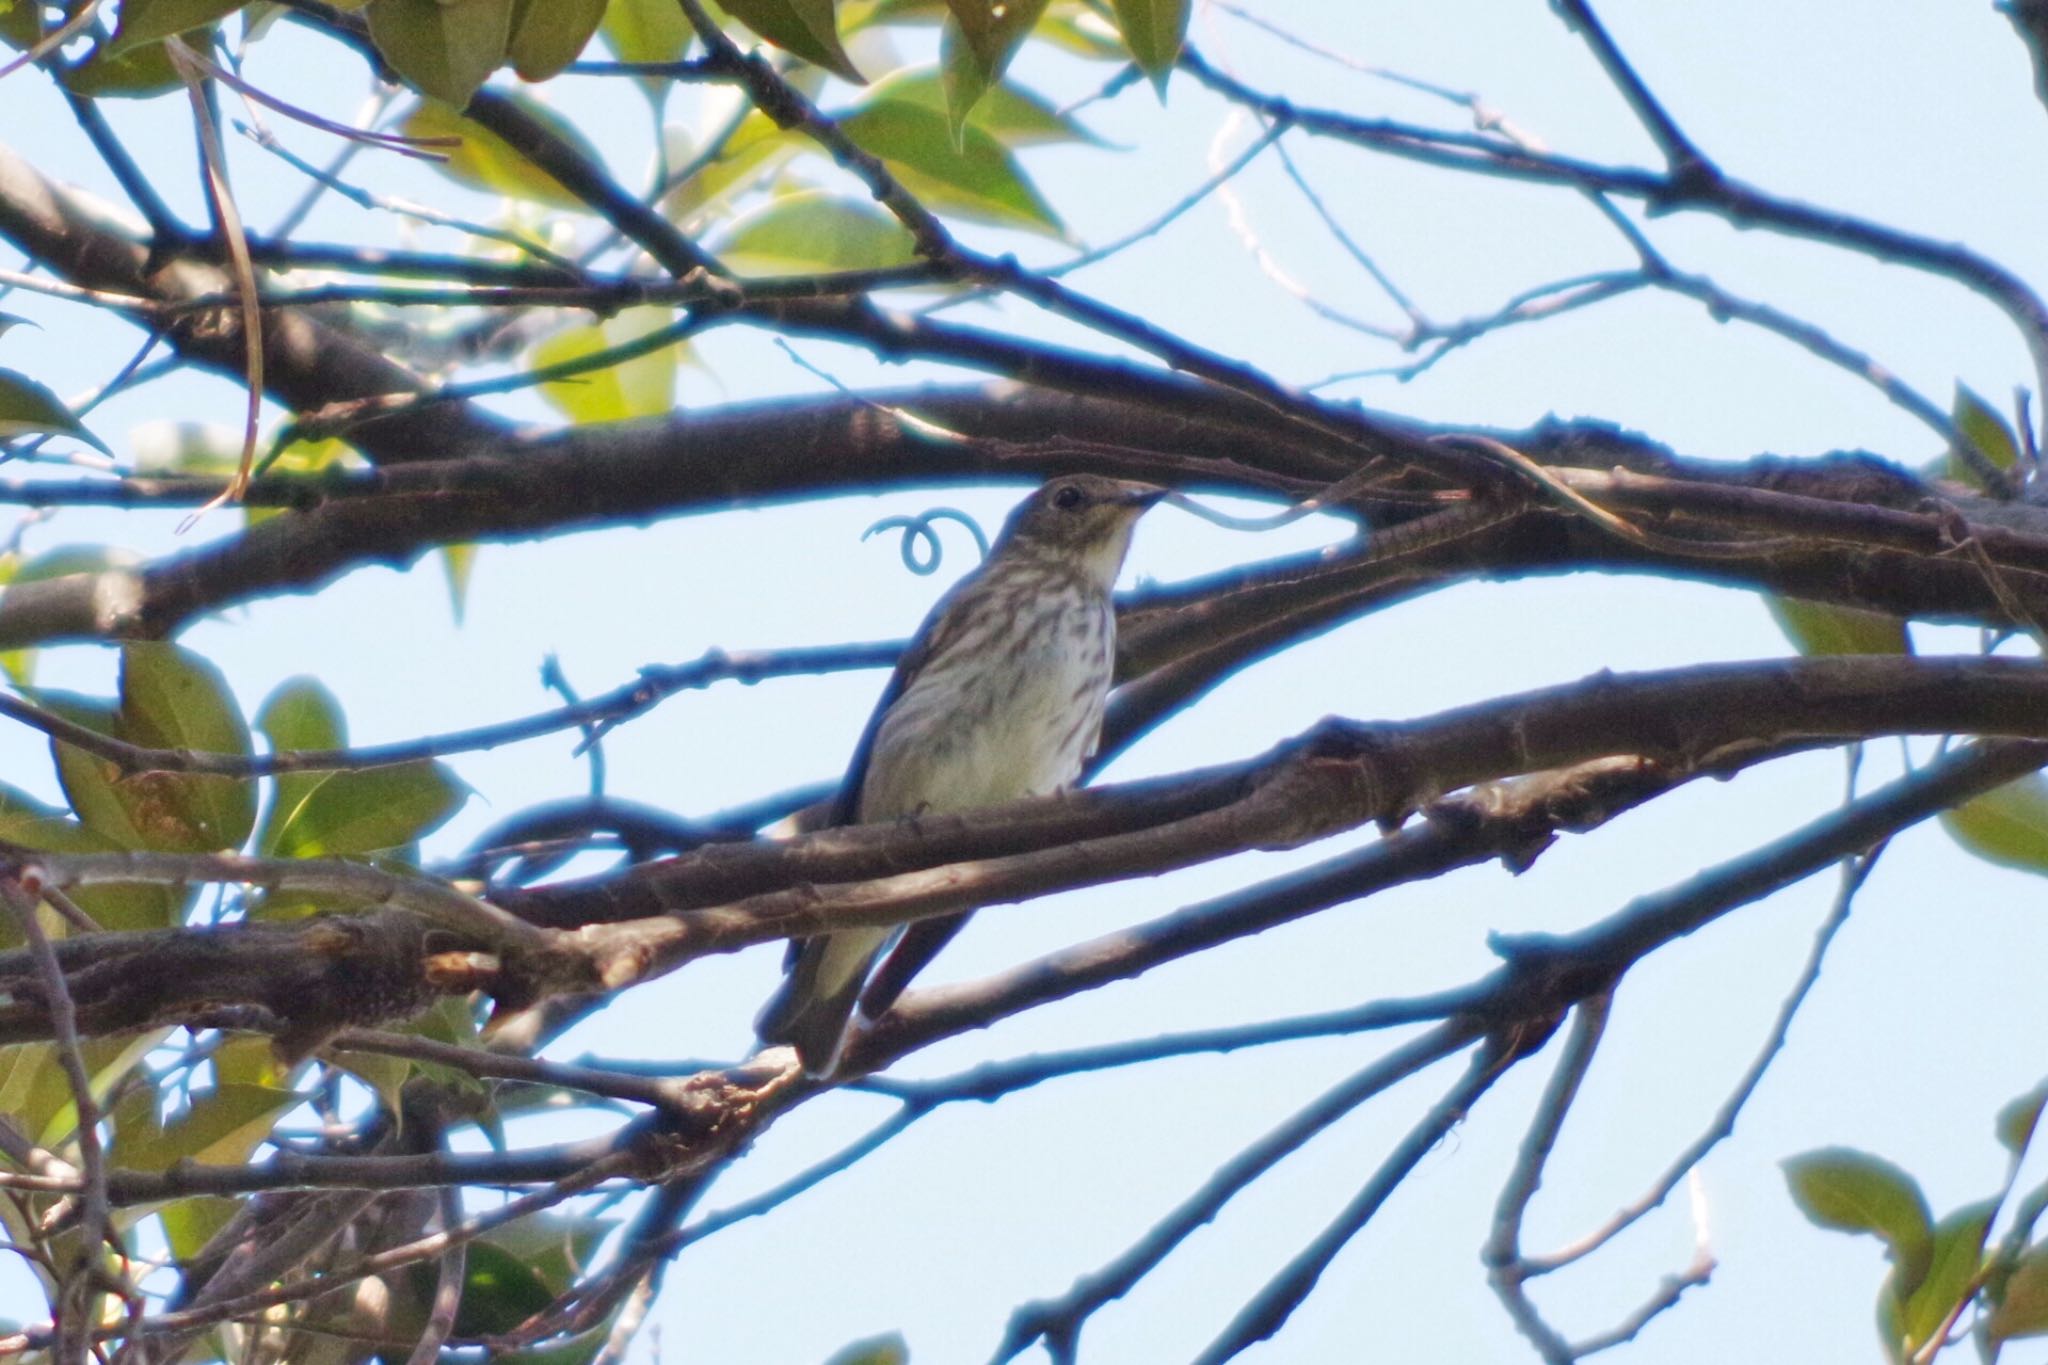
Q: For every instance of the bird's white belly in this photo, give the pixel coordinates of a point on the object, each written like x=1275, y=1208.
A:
x=970, y=735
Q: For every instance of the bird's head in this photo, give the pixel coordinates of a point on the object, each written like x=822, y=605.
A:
x=1081, y=519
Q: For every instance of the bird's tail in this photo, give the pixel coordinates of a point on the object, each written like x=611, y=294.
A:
x=813, y=1007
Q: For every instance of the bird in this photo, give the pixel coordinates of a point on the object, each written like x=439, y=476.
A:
x=998, y=696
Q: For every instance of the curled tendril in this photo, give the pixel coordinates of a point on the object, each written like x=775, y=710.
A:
x=921, y=549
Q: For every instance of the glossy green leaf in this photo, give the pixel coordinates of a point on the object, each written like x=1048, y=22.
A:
x=384, y=1074
x=1153, y=30
x=979, y=179
x=547, y=35
x=975, y=48
x=1951, y=1273
x=646, y=30
x=300, y=714
x=2022, y=1308
x=89, y=781
x=27, y=408
x=1013, y=117
x=1852, y=1191
x=1981, y=425
x=487, y=162
x=444, y=48
x=1823, y=628
x=804, y=27
x=149, y=21
x=173, y=699
x=2019, y=1117
x=222, y=1126
x=813, y=232
x=364, y=812
x=2007, y=825
x=643, y=386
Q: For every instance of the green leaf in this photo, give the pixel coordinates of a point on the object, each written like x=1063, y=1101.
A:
x=27, y=407
x=21, y=23
x=26, y=821
x=193, y=1221
x=756, y=148
x=554, y=1245
x=149, y=21
x=384, y=1074
x=978, y=180
x=2007, y=825
x=499, y=1291
x=804, y=27
x=457, y=563
x=1958, y=1255
x=1153, y=30
x=222, y=1126
x=173, y=699
x=1821, y=628
x=2022, y=1309
x=643, y=386
x=140, y=73
x=365, y=811
x=1981, y=425
x=1013, y=117
x=646, y=30
x=1852, y=1191
x=812, y=232
x=547, y=35
x=887, y=1349
x=2016, y=1121
x=46, y=1111
x=975, y=48
x=445, y=48
x=487, y=162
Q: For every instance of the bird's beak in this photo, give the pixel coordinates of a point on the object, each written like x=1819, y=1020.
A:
x=1139, y=495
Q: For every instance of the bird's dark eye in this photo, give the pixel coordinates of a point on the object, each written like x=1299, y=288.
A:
x=1067, y=499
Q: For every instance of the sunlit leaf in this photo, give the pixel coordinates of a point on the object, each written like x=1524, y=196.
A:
x=1153, y=30
x=30, y=823
x=756, y=148
x=1013, y=117
x=1951, y=1273
x=190, y=1223
x=555, y=1245
x=1852, y=1191
x=547, y=35
x=48, y=1112
x=444, y=48
x=148, y=21
x=457, y=563
x=487, y=162
x=980, y=38
x=979, y=179
x=804, y=27
x=1981, y=425
x=1823, y=628
x=646, y=30
x=2007, y=825
x=173, y=699
x=365, y=811
x=815, y=232
x=222, y=1126
x=27, y=408
x=643, y=386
